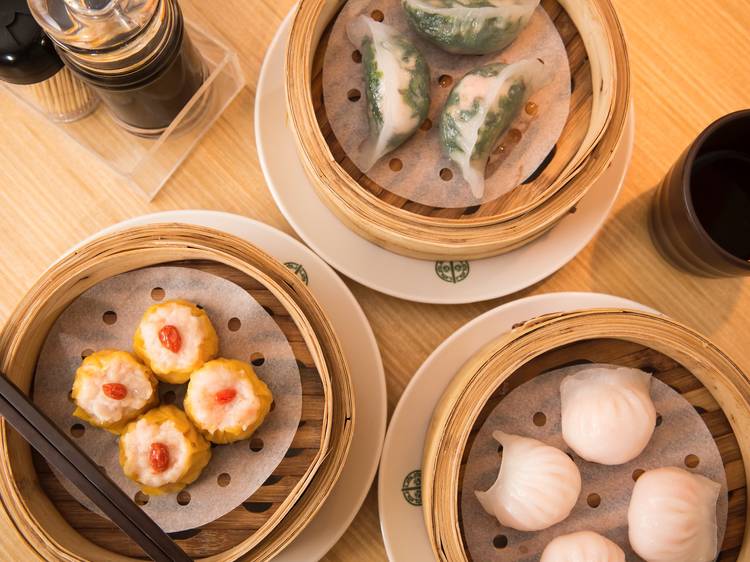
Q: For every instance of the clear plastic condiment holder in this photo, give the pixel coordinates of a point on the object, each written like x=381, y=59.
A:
x=147, y=163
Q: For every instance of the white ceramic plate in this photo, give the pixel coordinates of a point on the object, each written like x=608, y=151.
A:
x=411, y=279
x=362, y=354
x=399, y=491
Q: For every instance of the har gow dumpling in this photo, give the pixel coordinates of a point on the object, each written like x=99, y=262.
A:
x=608, y=416
x=397, y=87
x=672, y=516
x=480, y=108
x=469, y=27
x=583, y=546
x=537, y=486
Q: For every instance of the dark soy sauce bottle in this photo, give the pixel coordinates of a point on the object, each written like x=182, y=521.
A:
x=135, y=53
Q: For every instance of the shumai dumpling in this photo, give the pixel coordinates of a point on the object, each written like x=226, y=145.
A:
x=175, y=338
x=397, y=87
x=608, y=416
x=112, y=388
x=480, y=108
x=469, y=27
x=583, y=546
x=162, y=451
x=226, y=400
x=537, y=486
x=672, y=516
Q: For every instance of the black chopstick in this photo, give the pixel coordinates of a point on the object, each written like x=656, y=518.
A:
x=59, y=451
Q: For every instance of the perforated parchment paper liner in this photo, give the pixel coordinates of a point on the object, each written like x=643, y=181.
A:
x=678, y=356
x=44, y=527
x=105, y=317
x=475, y=232
x=533, y=410
x=413, y=170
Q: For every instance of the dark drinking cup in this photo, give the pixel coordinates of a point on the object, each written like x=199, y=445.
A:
x=700, y=217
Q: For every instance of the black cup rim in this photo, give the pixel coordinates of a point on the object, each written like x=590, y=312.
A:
x=686, y=188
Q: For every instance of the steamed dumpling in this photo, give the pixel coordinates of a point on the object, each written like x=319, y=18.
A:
x=469, y=27
x=672, y=516
x=537, y=485
x=174, y=338
x=480, y=108
x=608, y=416
x=584, y=546
x=397, y=87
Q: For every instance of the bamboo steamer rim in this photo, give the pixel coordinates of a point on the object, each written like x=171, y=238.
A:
x=459, y=407
x=152, y=245
x=429, y=237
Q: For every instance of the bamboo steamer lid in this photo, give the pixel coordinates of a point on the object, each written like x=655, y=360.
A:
x=704, y=375
x=599, y=106
x=303, y=482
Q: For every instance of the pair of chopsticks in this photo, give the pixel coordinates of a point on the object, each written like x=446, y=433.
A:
x=59, y=451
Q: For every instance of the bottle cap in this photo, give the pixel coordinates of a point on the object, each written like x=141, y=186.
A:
x=27, y=55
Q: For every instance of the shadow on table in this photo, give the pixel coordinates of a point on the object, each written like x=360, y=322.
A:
x=625, y=262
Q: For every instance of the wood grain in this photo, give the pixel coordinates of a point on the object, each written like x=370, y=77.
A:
x=690, y=63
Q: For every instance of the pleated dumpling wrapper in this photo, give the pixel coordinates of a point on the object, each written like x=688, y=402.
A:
x=672, y=516
x=175, y=338
x=583, y=546
x=111, y=388
x=469, y=27
x=608, y=416
x=537, y=485
x=162, y=451
x=397, y=87
x=226, y=400
x=480, y=108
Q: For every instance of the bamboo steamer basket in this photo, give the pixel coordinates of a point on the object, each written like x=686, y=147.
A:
x=675, y=354
x=599, y=105
x=57, y=526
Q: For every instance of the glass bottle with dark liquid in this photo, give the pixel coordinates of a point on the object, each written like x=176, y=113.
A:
x=135, y=53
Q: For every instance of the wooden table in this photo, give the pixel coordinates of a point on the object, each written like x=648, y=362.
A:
x=690, y=64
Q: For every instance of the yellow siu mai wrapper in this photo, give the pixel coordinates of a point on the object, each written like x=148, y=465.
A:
x=174, y=338
x=227, y=401
x=112, y=388
x=162, y=451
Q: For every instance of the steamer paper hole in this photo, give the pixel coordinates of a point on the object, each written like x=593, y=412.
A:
x=605, y=492
x=246, y=332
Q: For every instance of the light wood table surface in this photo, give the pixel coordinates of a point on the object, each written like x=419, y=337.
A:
x=690, y=63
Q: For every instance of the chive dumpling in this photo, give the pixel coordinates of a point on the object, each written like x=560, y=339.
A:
x=480, y=108
x=397, y=87
x=469, y=27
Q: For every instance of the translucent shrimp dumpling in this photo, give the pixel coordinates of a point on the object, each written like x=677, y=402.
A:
x=672, y=516
x=537, y=486
x=608, y=416
x=583, y=546
x=480, y=108
x=397, y=87
x=469, y=27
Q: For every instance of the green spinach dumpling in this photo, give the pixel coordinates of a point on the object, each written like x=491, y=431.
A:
x=397, y=87
x=469, y=27
x=480, y=108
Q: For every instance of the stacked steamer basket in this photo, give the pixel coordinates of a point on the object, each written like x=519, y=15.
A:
x=677, y=356
x=599, y=105
x=58, y=527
